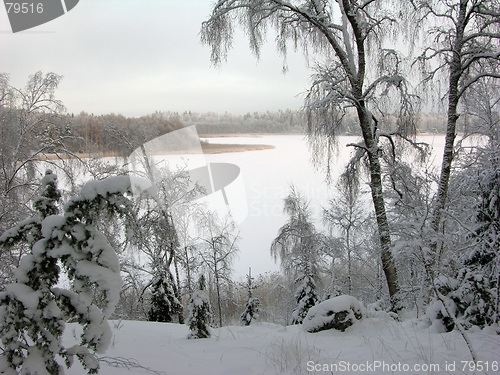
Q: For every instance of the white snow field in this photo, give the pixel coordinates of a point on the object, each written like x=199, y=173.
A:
x=374, y=345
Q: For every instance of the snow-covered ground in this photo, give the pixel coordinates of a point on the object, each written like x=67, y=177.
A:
x=375, y=345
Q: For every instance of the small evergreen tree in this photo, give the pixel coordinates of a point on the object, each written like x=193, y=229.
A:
x=251, y=311
x=199, y=315
x=305, y=296
x=476, y=293
x=252, y=305
x=164, y=304
x=33, y=310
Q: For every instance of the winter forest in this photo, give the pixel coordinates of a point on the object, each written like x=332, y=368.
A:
x=402, y=264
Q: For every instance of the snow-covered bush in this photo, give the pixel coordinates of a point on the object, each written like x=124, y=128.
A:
x=34, y=309
x=251, y=311
x=477, y=293
x=338, y=313
x=438, y=314
x=305, y=296
x=471, y=300
x=472, y=294
x=164, y=304
x=199, y=314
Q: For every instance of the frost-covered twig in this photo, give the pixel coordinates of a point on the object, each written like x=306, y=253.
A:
x=469, y=230
x=127, y=363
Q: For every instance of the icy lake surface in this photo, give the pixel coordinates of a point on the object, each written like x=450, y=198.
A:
x=267, y=176
x=264, y=181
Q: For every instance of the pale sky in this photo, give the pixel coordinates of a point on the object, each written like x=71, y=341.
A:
x=136, y=57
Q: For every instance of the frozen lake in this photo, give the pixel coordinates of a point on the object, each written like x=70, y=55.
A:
x=267, y=176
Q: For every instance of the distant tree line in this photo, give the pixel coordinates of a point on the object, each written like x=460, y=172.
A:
x=294, y=121
x=114, y=134
x=117, y=135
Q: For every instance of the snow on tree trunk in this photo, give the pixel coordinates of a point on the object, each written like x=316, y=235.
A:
x=379, y=206
x=33, y=310
x=467, y=47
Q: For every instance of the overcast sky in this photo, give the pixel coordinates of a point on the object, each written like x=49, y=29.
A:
x=136, y=57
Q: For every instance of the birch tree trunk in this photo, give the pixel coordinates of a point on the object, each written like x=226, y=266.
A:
x=379, y=206
x=453, y=98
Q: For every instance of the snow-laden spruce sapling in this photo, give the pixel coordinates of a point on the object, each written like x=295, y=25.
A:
x=164, y=304
x=251, y=311
x=305, y=296
x=252, y=305
x=199, y=312
x=474, y=293
x=35, y=308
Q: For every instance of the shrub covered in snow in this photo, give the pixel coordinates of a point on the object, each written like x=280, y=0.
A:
x=199, y=314
x=436, y=312
x=470, y=300
x=34, y=310
x=472, y=295
x=251, y=311
x=338, y=313
x=305, y=296
x=164, y=304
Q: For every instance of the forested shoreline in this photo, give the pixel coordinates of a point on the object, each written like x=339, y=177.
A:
x=120, y=135
x=117, y=135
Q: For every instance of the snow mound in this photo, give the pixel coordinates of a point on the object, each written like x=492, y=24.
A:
x=338, y=313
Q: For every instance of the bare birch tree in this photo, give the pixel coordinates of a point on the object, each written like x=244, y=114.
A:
x=465, y=49
x=348, y=34
x=26, y=116
x=218, y=250
x=31, y=131
x=346, y=213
